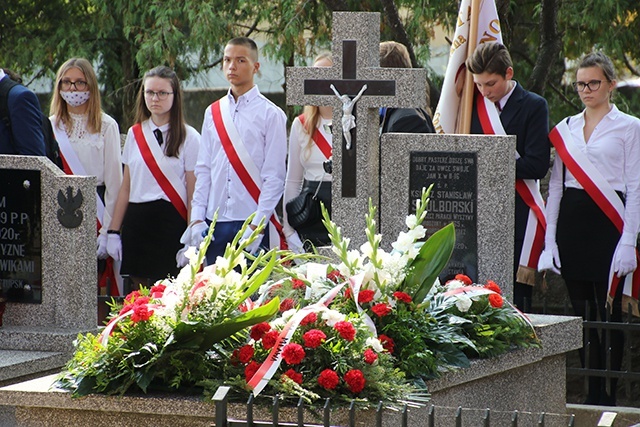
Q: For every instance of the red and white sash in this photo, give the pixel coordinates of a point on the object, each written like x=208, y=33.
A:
x=529, y=191
x=73, y=166
x=242, y=163
x=602, y=193
x=320, y=138
x=154, y=158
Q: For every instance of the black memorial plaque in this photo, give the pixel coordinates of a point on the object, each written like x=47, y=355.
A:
x=454, y=198
x=20, y=236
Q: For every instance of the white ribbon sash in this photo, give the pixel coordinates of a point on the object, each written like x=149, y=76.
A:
x=71, y=159
x=602, y=194
x=242, y=162
x=529, y=191
x=166, y=177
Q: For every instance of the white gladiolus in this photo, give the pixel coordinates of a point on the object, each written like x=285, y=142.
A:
x=411, y=221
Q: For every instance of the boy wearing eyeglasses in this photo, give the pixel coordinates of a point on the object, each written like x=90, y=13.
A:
x=241, y=162
x=503, y=106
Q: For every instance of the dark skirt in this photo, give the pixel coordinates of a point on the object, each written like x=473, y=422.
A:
x=150, y=239
x=586, y=238
x=317, y=233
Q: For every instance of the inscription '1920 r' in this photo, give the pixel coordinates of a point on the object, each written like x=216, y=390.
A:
x=453, y=199
x=20, y=236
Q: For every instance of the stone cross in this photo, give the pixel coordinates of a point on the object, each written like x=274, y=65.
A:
x=355, y=51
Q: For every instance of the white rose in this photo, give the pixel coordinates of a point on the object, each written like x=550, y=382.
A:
x=463, y=303
x=332, y=317
x=375, y=344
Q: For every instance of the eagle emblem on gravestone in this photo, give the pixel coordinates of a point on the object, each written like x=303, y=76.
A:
x=69, y=214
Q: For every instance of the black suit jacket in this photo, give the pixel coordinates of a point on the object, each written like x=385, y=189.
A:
x=407, y=120
x=525, y=115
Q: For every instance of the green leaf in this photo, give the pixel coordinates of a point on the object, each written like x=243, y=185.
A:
x=197, y=336
x=258, y=279
x=431, y=260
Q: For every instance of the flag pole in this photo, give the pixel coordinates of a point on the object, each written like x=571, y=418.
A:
x=466, y=101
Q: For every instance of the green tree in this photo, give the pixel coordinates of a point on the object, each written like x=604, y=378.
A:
x=127, y=37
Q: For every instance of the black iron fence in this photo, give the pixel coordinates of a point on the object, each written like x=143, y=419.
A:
x=628, y=377
x=458, y=417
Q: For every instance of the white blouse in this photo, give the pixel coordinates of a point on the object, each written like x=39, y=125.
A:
x=143, y=186
x=614, y=149
x=100, y=156
x=305, y=162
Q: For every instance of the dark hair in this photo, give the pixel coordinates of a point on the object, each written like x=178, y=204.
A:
x=247, y=42
x=177, y=128
x=394, y=55
x=492, y=58
x=600, y=60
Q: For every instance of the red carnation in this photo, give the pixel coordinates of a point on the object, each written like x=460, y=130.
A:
x=250, y=370
x=314, y=338
x=370, y=356
x=293, y=353
x=335, y=276
x=142, y=301
x=464, y=279
x=365, y=296
x=493, y=286
x=129, y=299
x=156, y=291
x=286, y=304
x=246, y=353
x=496, y=300
x=141, y=313
x=298, y=284
x=269, y=339
x=401, y=296
x=295, y=376
x=328, y=379
x=347, y=293
x=258, y=331
x=355, y=380
x=309, y=318
x=381, y=309
x=387, y=342
x=346, y=330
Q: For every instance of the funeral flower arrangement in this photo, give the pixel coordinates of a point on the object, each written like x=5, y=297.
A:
x=371, y=326
x=165, y=337
x=407, y=324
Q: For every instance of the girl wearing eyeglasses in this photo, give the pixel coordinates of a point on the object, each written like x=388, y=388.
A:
x=593, y=213
x=159, y=158
x=89, y=139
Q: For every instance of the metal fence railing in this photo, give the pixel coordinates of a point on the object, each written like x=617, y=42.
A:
x=460, y=418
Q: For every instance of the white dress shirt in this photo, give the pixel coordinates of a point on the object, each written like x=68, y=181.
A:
x=305, y=162
x=262, y=126
x=614, y=149
x=144, y=187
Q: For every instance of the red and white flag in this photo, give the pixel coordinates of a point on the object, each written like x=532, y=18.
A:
x=457, y=96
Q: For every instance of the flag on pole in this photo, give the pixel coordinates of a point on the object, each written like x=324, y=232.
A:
x=456, y=96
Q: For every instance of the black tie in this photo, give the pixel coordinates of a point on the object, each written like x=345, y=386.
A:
x=158, y=134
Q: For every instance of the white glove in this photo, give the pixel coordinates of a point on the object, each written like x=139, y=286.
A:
x=550, y=259
x=194, y=234
x=101, y=253
x=295, y=244
x=114, y=246
x=253, y=247
x=624, y=259
x=181, y=259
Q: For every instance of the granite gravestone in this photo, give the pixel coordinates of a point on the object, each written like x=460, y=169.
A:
x=473, y=177
x=356, y=63
x=47, y=263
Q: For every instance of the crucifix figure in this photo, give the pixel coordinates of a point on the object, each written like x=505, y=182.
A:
x=356, y=66
x=348, y=120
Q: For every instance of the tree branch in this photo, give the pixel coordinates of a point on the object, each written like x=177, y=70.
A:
x=549, y=48
x=336, y=5
x=635, y=71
